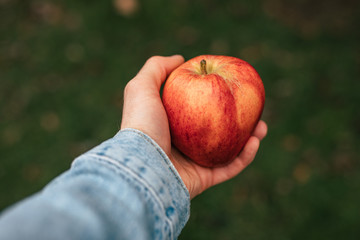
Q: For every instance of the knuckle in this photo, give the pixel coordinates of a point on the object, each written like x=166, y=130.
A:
x=157, y=63
x=154, y=59
x=130, y=87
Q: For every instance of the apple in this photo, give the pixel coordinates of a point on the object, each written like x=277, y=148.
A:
x=213, y=104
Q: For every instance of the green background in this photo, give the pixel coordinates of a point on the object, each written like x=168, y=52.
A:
x=64, y=64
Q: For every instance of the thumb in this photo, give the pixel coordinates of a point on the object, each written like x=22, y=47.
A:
x=156, y=69
x=142, y=94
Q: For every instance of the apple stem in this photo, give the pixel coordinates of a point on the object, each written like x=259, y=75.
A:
x=203, y=66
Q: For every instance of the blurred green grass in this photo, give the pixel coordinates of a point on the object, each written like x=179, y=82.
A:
x=64, y=64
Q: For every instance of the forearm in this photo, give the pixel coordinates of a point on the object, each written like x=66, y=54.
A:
x=124, y=188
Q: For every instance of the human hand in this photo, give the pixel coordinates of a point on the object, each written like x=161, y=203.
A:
x=143, y=110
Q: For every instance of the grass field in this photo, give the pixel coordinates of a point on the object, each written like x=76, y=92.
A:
x=64, y=64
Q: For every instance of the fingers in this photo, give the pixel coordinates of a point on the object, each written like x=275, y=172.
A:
x=249, y=151
x=245, y=157
x=156, y=69
x=260, y=130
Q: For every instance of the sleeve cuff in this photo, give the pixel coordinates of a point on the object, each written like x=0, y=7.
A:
x=140, y=158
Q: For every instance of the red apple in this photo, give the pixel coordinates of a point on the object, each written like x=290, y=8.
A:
x=213, y=104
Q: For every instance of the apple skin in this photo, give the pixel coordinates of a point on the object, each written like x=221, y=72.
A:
x=212, y=114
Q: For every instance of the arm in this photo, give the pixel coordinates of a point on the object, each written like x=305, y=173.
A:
x=133, y=186
x=125, y=188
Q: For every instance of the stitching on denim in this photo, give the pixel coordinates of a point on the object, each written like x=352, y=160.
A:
x=119, y=166
x=162, y=154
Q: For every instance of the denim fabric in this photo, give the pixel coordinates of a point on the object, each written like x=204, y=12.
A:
x=125, y=188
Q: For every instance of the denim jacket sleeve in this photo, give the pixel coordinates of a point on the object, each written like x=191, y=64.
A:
x=125, y=188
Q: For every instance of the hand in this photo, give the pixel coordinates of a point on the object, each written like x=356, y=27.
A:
x=143, y=110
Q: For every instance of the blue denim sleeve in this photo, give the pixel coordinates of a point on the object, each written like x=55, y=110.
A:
x=125, y=188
